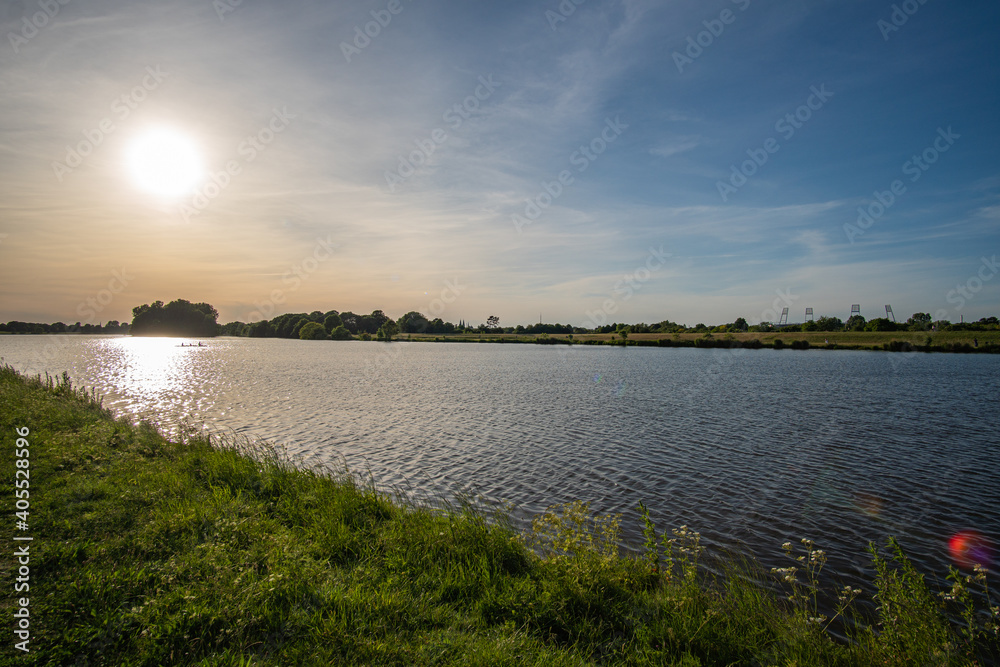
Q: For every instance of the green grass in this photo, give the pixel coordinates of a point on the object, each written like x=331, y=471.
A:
x=943, y=341
x=151, y=552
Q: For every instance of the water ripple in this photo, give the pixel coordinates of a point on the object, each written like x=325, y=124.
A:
x=752, y=448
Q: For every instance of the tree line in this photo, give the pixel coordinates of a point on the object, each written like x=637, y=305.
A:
x=332, y=324
x=17, y=327
x=337, y=325
x=200, y=320
x=917, y=322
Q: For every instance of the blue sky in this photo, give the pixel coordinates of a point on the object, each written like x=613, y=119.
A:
x=642, y=138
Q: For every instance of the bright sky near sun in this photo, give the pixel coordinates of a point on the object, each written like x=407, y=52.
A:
x=631, y=160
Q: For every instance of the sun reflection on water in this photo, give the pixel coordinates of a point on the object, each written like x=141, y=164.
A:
x=777, y=453
x=159, y=374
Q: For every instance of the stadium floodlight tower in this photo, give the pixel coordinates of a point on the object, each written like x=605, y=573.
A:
x=856, y=310
x=889, y=314
x=784, y=317
x=809, y=315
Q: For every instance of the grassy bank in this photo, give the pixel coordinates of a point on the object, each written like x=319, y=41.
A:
x=899, y=341
x=151, y=552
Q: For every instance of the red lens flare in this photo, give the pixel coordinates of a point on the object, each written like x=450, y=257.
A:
x=968, y=547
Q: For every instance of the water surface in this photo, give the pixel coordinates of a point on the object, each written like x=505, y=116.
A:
x=751, y=447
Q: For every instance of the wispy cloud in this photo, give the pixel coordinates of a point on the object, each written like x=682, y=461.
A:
x=675, y=146
x=354, y=122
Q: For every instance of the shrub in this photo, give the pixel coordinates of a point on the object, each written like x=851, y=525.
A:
x=340, y=333
x=331, y=322
x=312, y=331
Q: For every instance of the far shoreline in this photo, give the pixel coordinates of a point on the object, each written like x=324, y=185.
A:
x=966, y=342
x=963, y=342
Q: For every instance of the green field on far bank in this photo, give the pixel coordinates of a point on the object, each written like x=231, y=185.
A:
x=151, y=552
x=943, y=341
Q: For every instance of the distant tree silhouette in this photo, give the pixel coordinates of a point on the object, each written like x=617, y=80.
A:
x=350, y=321
x=919, y=322
x=340, y=333
x=177, y=318
x=388, y=330
x=16, y=327
x=332, y=321
x=312, y=331
x=370, y=324
x=855, y=323
x=829, y=324
x=262, y=329
x=881, y=324
x=413, y=322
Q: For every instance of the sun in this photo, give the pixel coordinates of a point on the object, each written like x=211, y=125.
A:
x=165, y=162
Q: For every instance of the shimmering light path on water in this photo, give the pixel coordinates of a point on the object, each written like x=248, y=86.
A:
x=752, y=448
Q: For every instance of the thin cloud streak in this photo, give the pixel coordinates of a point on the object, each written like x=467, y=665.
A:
x=325, y=175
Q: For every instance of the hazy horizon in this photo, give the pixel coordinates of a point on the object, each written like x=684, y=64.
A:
x=692, y=161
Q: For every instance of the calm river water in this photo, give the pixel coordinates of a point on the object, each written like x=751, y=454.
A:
x=750, y=447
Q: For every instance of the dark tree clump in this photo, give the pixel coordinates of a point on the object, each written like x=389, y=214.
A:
x=177, y=318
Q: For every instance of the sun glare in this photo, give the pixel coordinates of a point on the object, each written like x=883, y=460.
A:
x=165, y=162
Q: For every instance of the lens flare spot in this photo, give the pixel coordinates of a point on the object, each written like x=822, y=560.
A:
x=969, y=547
x=868, y=503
